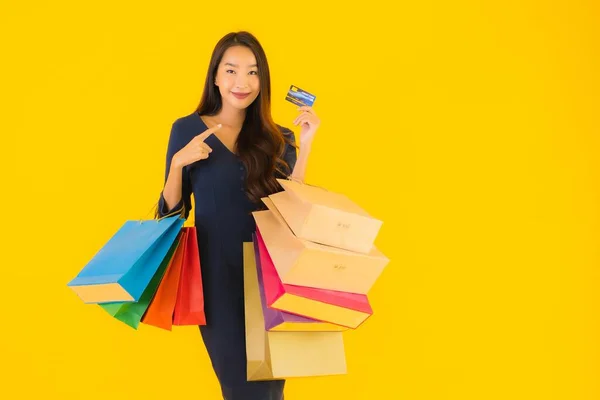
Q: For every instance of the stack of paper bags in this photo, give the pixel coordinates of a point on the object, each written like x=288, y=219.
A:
x=289, y=354
x=318, y=258
x=148, y=272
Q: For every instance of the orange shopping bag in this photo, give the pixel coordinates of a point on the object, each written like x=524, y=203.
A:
x=160, y=311
x=189, y=307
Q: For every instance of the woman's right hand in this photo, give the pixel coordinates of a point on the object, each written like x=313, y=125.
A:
x=195, y=150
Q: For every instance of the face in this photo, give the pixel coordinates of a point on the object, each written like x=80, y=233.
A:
x=237, y=77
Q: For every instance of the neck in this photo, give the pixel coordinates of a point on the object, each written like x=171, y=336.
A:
x=231, y=116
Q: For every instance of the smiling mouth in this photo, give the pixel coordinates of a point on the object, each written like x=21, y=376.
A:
x=240, y=95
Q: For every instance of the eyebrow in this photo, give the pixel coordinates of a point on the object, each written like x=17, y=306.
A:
x=236, y=66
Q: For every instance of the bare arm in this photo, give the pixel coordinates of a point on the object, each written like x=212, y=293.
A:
x=177, y=190
x=300, y=168
x=173, y=185
x=309, y=122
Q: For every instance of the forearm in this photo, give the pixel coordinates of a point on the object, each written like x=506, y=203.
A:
x=173, y=186
x=299, y=171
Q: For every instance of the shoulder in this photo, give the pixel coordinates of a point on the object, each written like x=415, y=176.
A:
x=187, y=122
x=184, y=128
x=288, y=134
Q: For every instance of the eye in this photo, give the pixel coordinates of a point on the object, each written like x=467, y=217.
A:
x=253, y=72
x=229, y=70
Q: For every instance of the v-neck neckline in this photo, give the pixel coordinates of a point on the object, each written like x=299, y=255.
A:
x=216, y=137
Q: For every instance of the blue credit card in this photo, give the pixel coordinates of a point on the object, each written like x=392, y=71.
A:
x=300, y=97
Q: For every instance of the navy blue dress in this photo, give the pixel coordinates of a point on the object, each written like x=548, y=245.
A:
x=223, y=220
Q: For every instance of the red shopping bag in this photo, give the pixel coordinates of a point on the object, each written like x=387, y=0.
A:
x=189, y=307
x=161, y=309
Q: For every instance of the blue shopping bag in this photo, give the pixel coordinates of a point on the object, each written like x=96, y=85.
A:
x=131, y=313
x=124, y=266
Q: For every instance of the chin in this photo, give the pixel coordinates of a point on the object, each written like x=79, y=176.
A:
x=239, y=106
x=241, y=103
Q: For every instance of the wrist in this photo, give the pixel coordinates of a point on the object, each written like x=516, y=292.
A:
x=306, y=145
x=295, y=176
x=176, y=164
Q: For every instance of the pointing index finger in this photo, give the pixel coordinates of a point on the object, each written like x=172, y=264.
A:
x=209, y=132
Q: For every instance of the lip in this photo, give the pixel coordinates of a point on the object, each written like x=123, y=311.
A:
x=240, y=95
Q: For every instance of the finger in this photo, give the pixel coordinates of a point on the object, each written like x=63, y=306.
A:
x=208, y=132
x=296, y=120
x=205, y=147
x=202, y=154
x=302, y=119
x=307, y=109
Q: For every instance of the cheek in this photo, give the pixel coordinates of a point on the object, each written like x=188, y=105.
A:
x=227, y=82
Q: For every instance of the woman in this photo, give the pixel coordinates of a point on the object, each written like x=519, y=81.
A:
x=228, y=153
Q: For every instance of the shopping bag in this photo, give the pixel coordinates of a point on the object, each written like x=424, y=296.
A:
x=326, y=217
x=341, y=308
x=281, y=355
x=189, y=306
x=304, y=263
x=131, y=313
x=123, y=267
x=281, y=321
x=162, y=306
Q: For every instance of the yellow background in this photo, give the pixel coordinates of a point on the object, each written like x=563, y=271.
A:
x=483, y=118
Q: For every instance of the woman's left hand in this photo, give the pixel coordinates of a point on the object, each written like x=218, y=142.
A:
x=309, y=123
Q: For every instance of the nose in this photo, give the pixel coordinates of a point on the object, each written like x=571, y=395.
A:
x=241, y=82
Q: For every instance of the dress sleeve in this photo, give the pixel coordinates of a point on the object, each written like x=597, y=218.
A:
x=176, y=143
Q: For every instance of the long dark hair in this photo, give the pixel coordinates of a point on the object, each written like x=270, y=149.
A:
x=261, y=142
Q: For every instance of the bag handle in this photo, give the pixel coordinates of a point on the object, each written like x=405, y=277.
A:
x=155, y=208
x=301, y=182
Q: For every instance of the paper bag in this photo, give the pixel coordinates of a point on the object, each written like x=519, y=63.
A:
x=189, y=307
x=340, y=308
x=304, y=263
x=131, y=313
x=282, y=321
x=121, y=270
x=160, y=311
x=281, y=355
x=326, y=217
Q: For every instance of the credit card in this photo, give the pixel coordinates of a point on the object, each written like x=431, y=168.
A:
x=300, y=97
